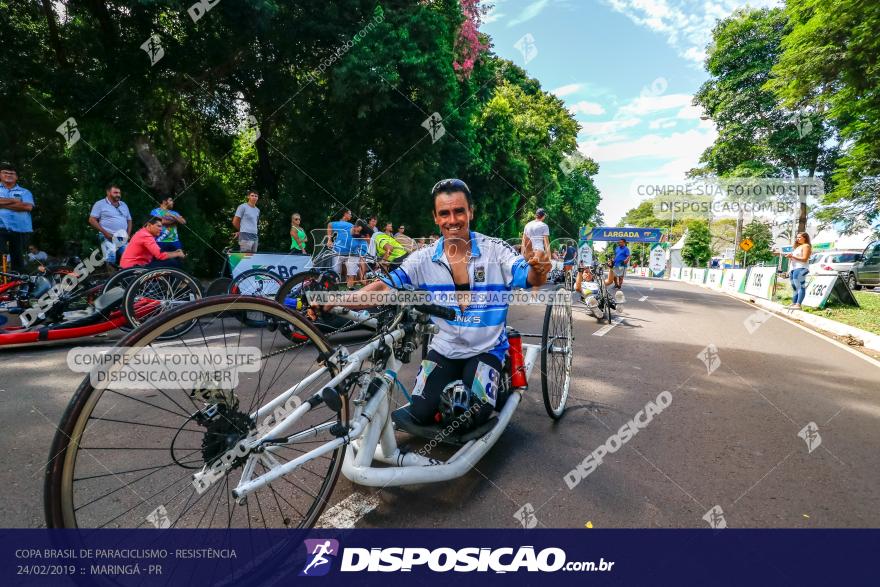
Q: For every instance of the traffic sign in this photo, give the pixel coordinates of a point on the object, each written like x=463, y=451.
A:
x=746, y=244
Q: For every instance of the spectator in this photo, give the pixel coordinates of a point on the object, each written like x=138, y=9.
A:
x=297, y=235
x=245, y=221
x=339, y=237
x=799, y=266
x=389, y=229
x=372, y=221
x=618, y=270
x=389, y=250
x=16, y=204
x=168, y=239
x=35, y=255
x=111, y=218
x=355, y=267
x=536, y=235
x=408, y=243
x=144, y=251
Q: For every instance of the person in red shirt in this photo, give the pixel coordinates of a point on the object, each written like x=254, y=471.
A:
x=143, y=251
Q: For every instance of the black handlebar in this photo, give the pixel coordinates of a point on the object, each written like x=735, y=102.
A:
x=438, y=311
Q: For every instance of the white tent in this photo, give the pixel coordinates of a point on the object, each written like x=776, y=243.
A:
x=675, y=253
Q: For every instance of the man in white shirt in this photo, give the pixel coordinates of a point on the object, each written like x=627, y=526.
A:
x=536, y=235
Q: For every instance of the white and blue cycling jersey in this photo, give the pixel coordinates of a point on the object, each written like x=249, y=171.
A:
x=494, y=268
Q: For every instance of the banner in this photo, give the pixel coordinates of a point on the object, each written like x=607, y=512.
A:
x=715, y=278
x=686, y=273
x=676, y=274
x=657, y=260
x=698, y=276
x=283, y=265
x=632, y=235
x=821, y=288
x=734, y=280
x=426, y=557
x=761, y=281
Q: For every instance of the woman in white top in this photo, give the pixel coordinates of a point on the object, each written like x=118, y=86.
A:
x=799, y=267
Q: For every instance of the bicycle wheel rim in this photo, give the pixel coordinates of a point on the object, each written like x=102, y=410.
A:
x=60, y=500
x=556, y=356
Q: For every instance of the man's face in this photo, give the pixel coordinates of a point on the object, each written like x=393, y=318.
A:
x=373, y=222
x=169, y=203
x=154, y=228
x=453, y=215
x=253, y=199
x=8, y=176
x=346, y=216
x=389, y=228
x=114, y=194
x=621, y=243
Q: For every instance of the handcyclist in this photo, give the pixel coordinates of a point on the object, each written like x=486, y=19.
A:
x=470, y=348
x=144, y=251
x=585, y=264
x=618, y=271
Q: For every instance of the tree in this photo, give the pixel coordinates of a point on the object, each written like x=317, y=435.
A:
x=829, y=62
x=697, y=250
x=760, y=234
x=757, y=135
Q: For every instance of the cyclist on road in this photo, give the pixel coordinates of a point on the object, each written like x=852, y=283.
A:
x=472, y=347
x=536, y=235
x=618, y=271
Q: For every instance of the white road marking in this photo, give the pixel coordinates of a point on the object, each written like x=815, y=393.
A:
x=643, y=298
x=349, y=511
x=174, y=342
x=607, y=328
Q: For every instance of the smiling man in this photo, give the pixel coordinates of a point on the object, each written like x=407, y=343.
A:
x=470, y=348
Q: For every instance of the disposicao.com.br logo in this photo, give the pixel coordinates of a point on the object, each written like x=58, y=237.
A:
x=441, y=560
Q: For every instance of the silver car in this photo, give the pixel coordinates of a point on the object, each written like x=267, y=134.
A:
x=836, y=261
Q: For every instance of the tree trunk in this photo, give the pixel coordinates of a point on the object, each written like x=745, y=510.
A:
x=54, y=38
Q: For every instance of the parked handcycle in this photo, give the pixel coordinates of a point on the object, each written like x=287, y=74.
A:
x=596, y=296
x=127, y=300
x=267, y=450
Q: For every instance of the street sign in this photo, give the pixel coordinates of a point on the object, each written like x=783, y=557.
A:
x=746, y=244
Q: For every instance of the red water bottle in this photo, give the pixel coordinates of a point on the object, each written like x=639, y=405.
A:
x=515, y=358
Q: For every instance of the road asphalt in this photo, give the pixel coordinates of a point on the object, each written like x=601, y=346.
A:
x=766, y=425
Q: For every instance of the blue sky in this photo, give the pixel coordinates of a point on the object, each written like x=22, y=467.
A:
x=628, y=70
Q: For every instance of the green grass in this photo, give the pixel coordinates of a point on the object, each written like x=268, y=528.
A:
x=866, y=317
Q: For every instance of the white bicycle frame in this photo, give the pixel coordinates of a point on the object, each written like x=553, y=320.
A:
x=371, y=434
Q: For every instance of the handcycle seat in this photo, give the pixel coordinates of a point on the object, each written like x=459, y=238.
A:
x=403, y=420
x=109, y=301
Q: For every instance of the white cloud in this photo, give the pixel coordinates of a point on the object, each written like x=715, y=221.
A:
x=665, y=122
x=567, y=89
x=584, y=107
x=687, y=24
x=648, y=104
x=686, y=145
x=529, y=12
x=607, y=127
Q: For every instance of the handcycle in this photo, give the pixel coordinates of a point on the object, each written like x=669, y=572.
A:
x=128, y=299
x=267, y=451
x=596, y=296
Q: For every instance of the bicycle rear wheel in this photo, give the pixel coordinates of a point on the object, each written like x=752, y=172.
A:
x=557, y=341
x=158, y=291
x=256, y=282
x=125, y=458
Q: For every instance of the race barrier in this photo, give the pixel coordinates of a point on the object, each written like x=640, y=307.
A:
x=686, y=273
x=821, y=288
x=715, y=278
x=282, y=264
x=734, y=280
x=676, y=274
x=698, y=276
x=761, y=281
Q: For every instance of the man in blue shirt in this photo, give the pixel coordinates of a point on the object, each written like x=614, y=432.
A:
x=339, y=237
x=16, y=204
x=618, y=271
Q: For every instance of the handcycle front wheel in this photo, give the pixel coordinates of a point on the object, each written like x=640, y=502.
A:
x=261, y=283
x=557, y=346
x=125, y=458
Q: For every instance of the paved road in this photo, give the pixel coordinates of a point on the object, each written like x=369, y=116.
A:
x=728, y=438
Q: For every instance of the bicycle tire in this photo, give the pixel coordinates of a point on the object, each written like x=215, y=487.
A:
x=123, y=278
x=182, y=288
x=323, y=281
x=60, y=506
x=556, y=360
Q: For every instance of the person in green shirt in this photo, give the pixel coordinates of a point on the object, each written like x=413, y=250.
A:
x=388, y=249
x=297, y=235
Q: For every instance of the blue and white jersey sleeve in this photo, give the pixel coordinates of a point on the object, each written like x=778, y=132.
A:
x=411, y=271
x=513, y=266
